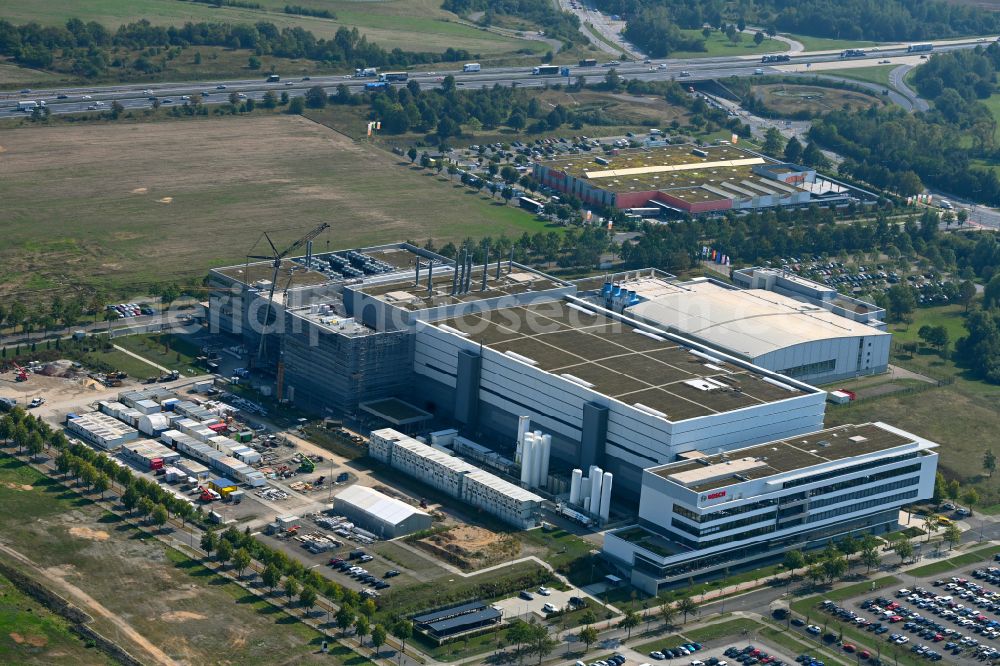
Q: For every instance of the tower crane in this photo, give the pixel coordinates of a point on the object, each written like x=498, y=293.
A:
x=277, y=258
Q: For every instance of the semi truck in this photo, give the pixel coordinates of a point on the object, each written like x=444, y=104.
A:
x=471, y=67
x=30, y=105
x=588, y=62
x=273, y=78
x=545, y=69
x=917, y=48
x=852, y=53
x=365, y=72
x=393, y=76
x=781, y=57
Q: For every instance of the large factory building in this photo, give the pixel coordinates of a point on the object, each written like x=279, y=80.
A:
x=686, y=179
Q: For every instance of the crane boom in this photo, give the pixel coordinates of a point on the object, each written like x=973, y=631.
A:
x=278, y=256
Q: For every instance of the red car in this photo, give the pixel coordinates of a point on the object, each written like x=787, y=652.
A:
x=895, y=618
x=849, y=647
x=865, y=654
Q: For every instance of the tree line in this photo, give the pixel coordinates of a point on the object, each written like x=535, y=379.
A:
x=655, y=25
x=95, y=50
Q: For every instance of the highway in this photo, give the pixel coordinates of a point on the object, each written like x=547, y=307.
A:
x=138, y=96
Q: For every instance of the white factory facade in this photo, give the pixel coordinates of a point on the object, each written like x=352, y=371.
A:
x=728, y=510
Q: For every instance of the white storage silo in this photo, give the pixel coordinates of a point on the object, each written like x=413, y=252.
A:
x=523, y=423
x=546, y=452
x=595, y=489
x=586, y=504
x=606, y=482
x=526, y=469
x=574, y=486
x=537, y=455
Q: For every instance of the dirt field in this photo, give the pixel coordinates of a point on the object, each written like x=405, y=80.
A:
x=471, y=547
x=112, y=205
x=151, y=600
x=790, y=99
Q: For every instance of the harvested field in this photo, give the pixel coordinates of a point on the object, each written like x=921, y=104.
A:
x=470, y=547
x=152, y=600
x=109, y=206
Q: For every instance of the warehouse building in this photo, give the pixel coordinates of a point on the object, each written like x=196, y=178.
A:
x=457, y=478
x=375, y=512
x=102, y=430
x=731, y=509
x=145, y=452
x=686, y=179
x=794, y=338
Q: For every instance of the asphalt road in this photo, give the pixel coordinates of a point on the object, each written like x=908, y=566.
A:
x=78, y=99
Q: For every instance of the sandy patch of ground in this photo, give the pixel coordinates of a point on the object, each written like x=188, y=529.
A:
x=140, y=190
x=16, y=486
x=33, y=641
x=165, y=200
x=87, y=533
x=181, y=616
x=470, y=547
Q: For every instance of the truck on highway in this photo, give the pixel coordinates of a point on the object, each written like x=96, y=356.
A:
x=852, y=53
x=376, y=85
x=780, y=57
x=545, y=69
x=917, y=48
x=393, y=76
x=471, y=67
x=273, y=78
x=365, y=72
x=588, y=62
x=30, y=105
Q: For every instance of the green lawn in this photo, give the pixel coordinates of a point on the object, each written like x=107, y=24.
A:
x=993, y=104
x=807, y=605
x=973, y=557
x=791, y=642
x=118, y=360
x=825, y=44
x=727, y=629
x=952, y=317
x=11, y=74
x=877, y=74
x=719, y=45
x=171, y=351
x=415, y=25
x=31, y=634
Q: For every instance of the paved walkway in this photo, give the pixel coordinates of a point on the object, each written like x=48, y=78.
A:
x=141, y=358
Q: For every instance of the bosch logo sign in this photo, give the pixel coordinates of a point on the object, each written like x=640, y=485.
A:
x=712, y=496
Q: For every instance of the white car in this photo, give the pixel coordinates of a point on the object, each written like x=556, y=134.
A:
x=549, y=608
x=86, y=97
x=544, y=591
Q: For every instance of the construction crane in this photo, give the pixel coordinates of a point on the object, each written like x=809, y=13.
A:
x=276, y=258
x=22, y=374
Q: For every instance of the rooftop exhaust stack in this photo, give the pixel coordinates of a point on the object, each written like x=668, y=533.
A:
x=416, y=278
x=468, y=273
x=499, y=259
x=309, y=254
x=454, y=276
x=430, y=277
x=486, y=266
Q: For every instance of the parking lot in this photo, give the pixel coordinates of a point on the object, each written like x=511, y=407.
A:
x=522, y=606
x=954, y=619
x=729, y=653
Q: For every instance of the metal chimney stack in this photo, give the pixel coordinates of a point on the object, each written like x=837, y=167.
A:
x=309, y=254
x=468, y=273
x=454, y=276
x=499, y=259
x=510, y=262
x=416, y=279
x=430, y=278
x=486, y=266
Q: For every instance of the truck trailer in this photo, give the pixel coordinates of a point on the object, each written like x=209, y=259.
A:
x=471, y=67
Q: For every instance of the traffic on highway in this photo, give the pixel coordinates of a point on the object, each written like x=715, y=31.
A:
x=98, y=98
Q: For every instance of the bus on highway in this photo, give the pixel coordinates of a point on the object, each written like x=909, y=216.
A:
x=393, y=76
x=916, y=48
x=530, y=204
x=471, y=67
x=545, y=69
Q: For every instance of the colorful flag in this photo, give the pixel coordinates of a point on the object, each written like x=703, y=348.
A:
x=736, y=138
